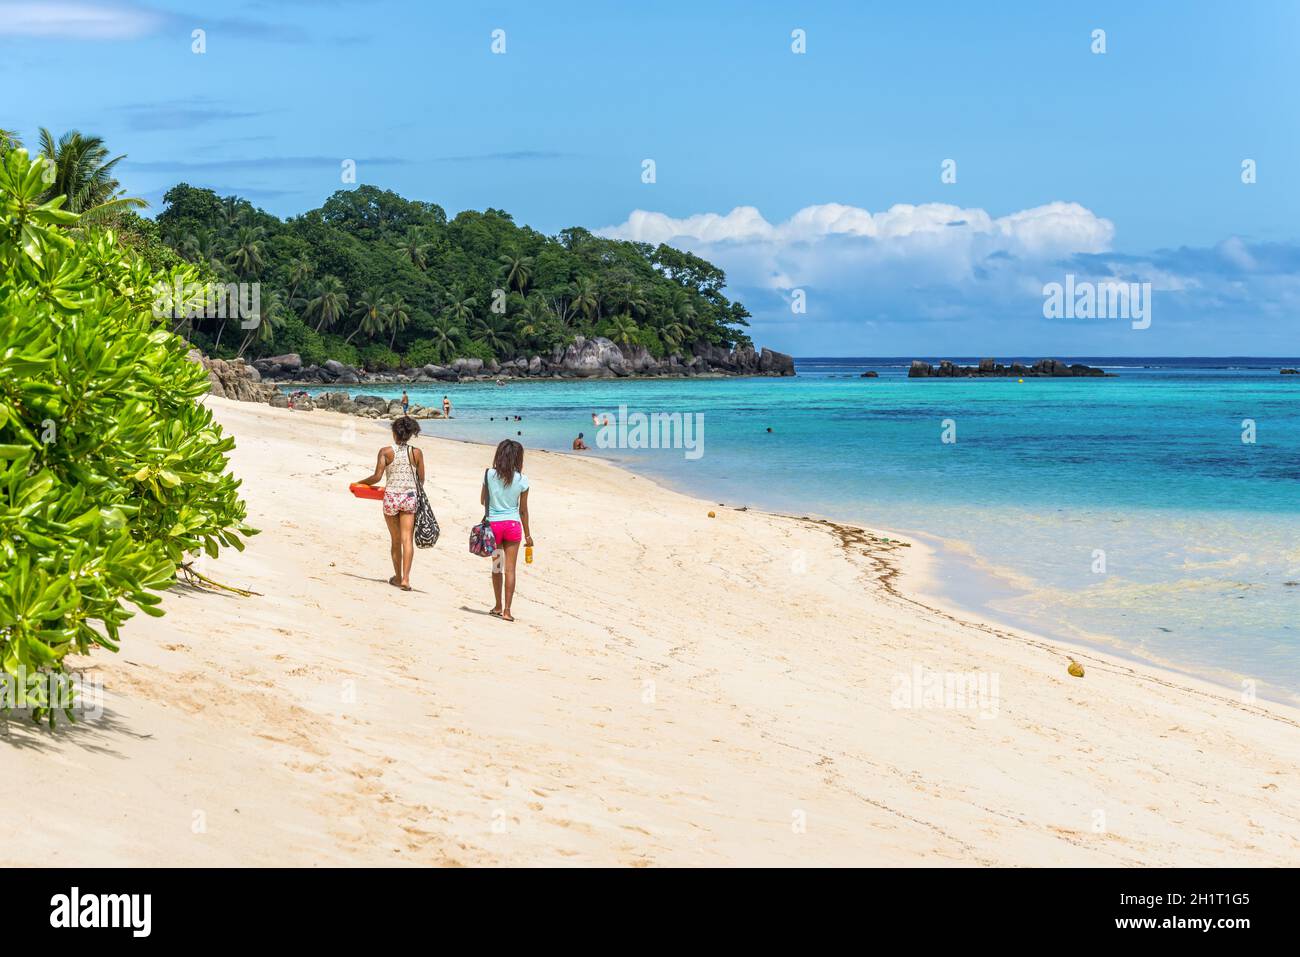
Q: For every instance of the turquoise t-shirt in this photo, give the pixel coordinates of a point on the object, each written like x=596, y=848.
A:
x=503, y=500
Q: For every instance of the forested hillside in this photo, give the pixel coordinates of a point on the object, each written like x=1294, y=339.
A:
x=373, y=279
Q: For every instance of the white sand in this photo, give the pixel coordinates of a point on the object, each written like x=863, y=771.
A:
x=677, y=690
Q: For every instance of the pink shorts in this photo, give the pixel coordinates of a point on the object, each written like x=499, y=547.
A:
x=395, y=502
x=507, y=532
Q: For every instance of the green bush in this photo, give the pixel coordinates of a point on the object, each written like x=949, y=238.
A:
x=294, y=335
x=334, y=347
x=377, y=357
x=110, y=471
x=423, y=352
x=474, y=349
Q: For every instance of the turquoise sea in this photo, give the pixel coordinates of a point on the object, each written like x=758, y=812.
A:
x=1126, y=512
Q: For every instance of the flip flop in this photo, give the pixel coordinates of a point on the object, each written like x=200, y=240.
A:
x=405, y=587
x=394, y=582
x=495, y=614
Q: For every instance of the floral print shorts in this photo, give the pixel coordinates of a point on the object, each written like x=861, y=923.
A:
x=395, y=502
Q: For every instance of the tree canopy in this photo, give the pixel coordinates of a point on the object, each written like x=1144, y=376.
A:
x=373, y=278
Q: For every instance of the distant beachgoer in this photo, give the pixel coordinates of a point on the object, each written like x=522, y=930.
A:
x=501, y=381
x=579, y=445
x=505, y=495
x=406, y=402
x=446, y=407
x=769, y=428
x=599, y=420
x=400, y=466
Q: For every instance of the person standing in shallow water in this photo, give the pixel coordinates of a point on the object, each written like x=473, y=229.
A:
x=401, y=467
x=505, y=497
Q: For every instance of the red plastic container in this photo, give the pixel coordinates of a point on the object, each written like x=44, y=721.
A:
x=366, y=491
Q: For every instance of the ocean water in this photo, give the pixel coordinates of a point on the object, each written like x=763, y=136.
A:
x=1126, y=512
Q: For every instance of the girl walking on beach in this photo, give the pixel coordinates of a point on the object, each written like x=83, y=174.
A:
x=401, y=467
x=505, y=497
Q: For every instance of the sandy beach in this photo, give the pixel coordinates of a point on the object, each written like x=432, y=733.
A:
x=677, y=690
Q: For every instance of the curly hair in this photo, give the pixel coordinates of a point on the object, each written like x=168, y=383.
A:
x=405, y=428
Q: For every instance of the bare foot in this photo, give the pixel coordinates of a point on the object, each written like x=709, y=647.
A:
x=394, y=582
x=506, y=616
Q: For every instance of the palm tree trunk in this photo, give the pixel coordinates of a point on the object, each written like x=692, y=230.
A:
x=220, y=332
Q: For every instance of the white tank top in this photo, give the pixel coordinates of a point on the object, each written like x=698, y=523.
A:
x=401, y=474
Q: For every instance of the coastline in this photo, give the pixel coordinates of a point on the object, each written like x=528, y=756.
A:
x=967, y=559
x=772, y=645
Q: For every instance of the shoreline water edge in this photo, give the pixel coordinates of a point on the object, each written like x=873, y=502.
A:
x=969, y=583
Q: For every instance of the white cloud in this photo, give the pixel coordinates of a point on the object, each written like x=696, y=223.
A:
x=1045, y=231
x=939, y=276
x=77, y=21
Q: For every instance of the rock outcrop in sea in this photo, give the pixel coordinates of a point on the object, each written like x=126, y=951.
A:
x=990, y=368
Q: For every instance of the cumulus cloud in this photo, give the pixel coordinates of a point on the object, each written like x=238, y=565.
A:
x=934, y=275
x=1054, y=229
x=843, y=251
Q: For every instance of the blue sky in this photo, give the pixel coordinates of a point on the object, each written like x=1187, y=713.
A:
x=1125, y=164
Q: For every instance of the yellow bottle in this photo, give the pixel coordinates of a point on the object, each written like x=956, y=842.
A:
x=528, y=554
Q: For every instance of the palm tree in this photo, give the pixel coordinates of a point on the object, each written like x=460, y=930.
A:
x=623, y=329
x=246, y=256
x=671, y=331
x=234, y=211
x=494, y=332
x=80, y=170
x=517, y=270
x=9, y=141
x=300, y=270
x=683, y=312
x=330, y=302
x=636, y=302
x=445, y=335
x=586, y=299
x=461, y=307
x=202, y=247
x=271, y=318
x=416, y=249
x=369, y=309
x=536, y=319
x=397, y=317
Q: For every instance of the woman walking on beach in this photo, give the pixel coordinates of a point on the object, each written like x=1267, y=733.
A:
x=505, y=497
x=401, y=467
